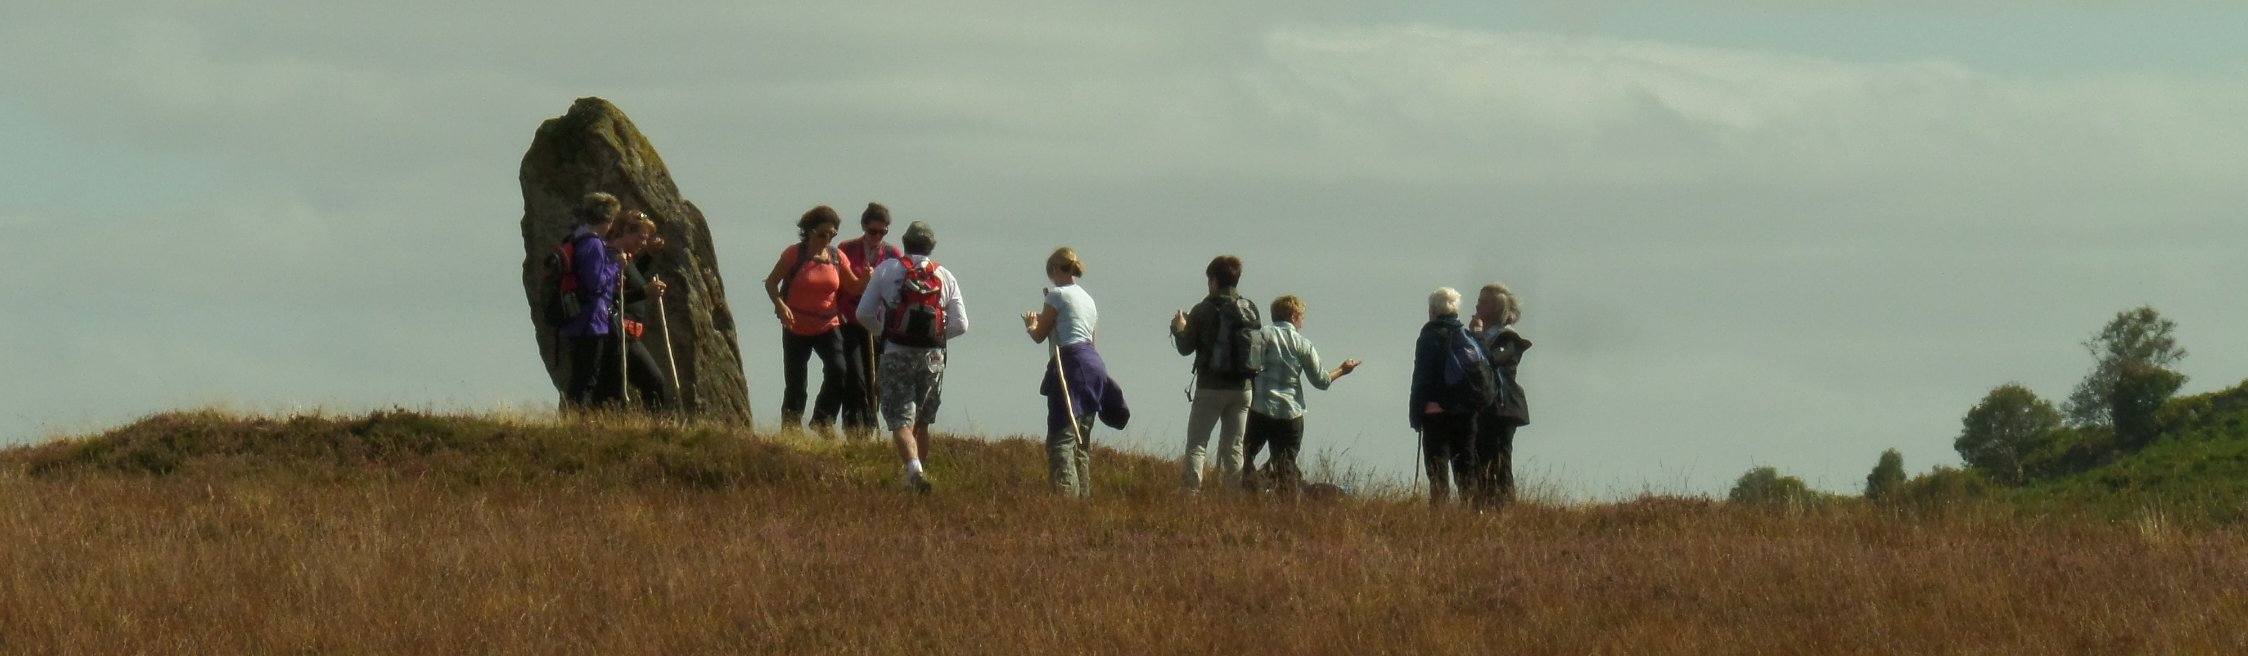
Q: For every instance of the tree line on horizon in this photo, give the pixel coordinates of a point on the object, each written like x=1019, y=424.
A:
x=2012, y=437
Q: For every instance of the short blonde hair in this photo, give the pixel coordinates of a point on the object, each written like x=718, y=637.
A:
x=1287, y=308
x=1065, y=260
x=1444, y=300
x=1510, y=306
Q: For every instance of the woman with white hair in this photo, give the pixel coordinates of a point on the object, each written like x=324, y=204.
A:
x=1450, y=386
x=1496, y=311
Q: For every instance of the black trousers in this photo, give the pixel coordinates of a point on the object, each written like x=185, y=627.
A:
x=796, y=353
x=1280, y=473
x=1494, y=460
x=593, y=372
x=651, y=379
x=860, y=408
x=1448, y=452
x=593, y=379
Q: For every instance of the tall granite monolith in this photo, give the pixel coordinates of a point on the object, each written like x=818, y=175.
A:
x=593, y=148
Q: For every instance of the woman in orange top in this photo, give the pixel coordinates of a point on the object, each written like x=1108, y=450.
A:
x=806, y=285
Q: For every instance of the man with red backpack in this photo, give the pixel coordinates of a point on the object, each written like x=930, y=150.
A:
x=917, y=306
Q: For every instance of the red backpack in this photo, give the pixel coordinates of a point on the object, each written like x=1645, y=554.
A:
x=919, y=319
x=561, y=283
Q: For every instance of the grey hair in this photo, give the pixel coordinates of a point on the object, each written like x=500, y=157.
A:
x=1510, y=306
x=1444, y=301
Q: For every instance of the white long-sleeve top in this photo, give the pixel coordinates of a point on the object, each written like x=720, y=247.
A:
x=882, y=293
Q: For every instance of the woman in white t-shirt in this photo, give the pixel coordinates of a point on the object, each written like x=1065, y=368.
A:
x=1070, y=322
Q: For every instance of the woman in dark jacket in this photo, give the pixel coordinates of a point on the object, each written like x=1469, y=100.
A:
x=650, y=378
x=1496, y=311
x=1443, y=410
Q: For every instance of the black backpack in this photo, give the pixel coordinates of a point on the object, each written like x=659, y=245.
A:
x=1468, y=367
x=558, y=282
x=804, y=256
x=1231, y=350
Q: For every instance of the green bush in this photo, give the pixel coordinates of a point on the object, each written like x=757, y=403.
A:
x=1764, y=486
x=1945, y=486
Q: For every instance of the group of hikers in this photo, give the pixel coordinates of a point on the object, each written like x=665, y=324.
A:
x=879, y=317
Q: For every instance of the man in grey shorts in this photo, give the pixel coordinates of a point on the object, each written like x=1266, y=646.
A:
x=916, y=304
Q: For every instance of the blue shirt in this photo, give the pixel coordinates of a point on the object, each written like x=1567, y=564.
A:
x=1288, y=359
x=1075, y=318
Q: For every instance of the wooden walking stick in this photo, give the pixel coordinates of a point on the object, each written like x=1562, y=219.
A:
x=1069, y=405
x=676, y=395
x=624, y=349
x=873, y=413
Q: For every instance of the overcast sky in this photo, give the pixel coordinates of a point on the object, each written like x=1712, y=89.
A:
x=1745, y=234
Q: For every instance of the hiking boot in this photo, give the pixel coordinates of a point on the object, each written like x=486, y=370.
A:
x=918, y=483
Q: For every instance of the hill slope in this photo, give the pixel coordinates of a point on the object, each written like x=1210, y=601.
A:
x=2197, y=470
x=408, y=533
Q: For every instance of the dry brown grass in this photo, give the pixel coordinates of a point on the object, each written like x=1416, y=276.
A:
x=228, y=560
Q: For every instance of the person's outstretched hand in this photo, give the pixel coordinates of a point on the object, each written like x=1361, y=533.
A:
x=1178, y=322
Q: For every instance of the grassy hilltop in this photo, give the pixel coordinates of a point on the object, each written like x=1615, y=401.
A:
x=402, y=532
x=2195, y=471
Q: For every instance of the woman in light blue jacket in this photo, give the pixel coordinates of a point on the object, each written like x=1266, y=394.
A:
x=1276, y=403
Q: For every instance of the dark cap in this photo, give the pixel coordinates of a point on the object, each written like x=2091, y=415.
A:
x=919, y=239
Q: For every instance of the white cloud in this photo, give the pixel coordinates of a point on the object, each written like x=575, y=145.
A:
x=1482, y=106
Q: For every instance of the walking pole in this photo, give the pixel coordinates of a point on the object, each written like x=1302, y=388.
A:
x=873, y=414
x=1418, y=438
x=873, y=362
x=676, y=395
x=624, y=350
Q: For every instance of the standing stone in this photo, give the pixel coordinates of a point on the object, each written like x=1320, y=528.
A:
x=595, y=148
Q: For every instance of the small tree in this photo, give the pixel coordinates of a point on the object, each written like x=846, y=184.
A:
x=1765, y=486
x=2132, y=343
x=1887, y=476
x=2000, y=433
x=2140, y=391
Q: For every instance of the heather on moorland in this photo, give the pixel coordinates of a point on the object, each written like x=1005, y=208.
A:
x=404, y=532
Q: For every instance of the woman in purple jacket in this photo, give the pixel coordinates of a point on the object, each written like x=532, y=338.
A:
x=590, y=337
